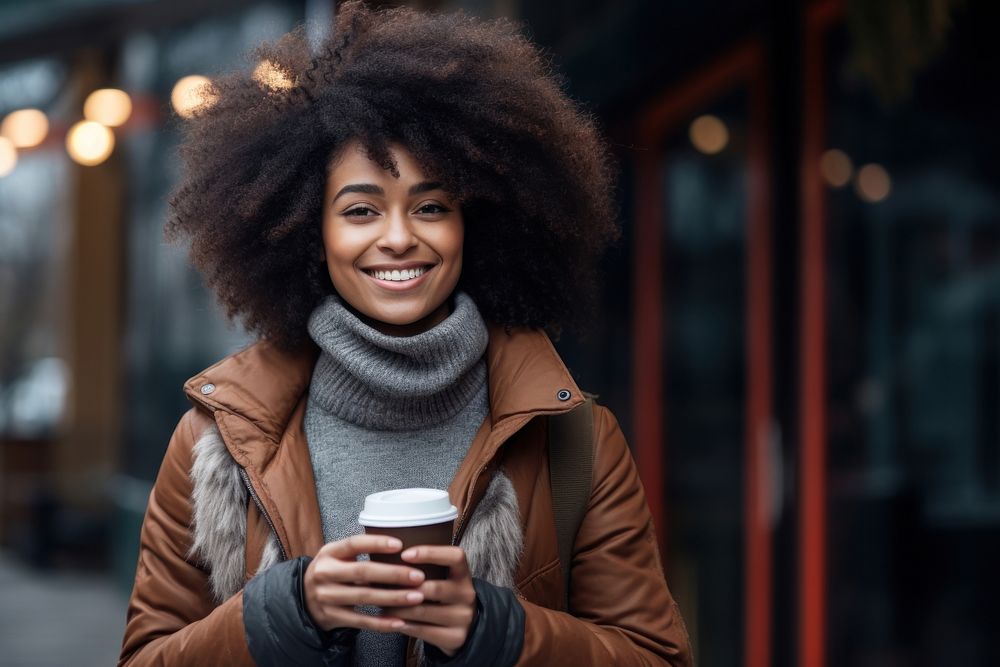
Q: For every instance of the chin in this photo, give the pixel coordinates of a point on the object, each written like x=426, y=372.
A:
x=399, y=319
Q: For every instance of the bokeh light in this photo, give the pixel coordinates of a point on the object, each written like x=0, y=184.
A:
x=25, y=128
x=108, y=106
x=8, y=156
x=873, y=183
x=89, y=143
x=191, y=93
x=836, y=167
x=271, y=76
x=709, y=134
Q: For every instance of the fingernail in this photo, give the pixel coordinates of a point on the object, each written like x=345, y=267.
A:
x=410, y=553
x=393, y=543
x=416, y=575
x=414, y=597
x=397, y=624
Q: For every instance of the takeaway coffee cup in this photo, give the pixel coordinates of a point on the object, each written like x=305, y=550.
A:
x=415, y=516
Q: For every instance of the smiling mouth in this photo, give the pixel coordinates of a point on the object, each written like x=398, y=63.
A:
x=399, y=275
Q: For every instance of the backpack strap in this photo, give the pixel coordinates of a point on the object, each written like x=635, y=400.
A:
x=571, y=462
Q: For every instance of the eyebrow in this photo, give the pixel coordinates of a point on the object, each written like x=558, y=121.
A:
x=372, y=189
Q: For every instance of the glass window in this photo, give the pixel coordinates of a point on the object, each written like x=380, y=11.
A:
x=704, y=185
x=914, y=363
x=175, y=326
x=34, y=247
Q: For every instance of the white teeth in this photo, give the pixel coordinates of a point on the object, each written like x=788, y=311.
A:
x=397, y=275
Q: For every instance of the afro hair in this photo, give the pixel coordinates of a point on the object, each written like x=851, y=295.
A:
x=473, y=101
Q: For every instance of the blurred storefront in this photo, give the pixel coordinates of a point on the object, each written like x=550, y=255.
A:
x=800, y=331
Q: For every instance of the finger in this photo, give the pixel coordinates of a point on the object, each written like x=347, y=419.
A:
x=449, y=592
x=452, y=557
x=352, y=547
x=332, y=570
x=446, y=615
x=345, y=617
x=350, y=596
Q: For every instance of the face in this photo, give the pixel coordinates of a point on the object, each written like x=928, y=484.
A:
x=393, y=246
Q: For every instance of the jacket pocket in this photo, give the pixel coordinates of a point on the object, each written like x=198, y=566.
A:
x=544, y=586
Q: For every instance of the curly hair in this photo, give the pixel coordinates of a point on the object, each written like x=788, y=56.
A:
x=476, y=104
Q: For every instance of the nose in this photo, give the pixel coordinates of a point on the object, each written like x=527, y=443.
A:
x=397, y=234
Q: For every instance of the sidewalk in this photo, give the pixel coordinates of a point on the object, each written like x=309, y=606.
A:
x=51, y=619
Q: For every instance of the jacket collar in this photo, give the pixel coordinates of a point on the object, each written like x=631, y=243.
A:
x=264, y=384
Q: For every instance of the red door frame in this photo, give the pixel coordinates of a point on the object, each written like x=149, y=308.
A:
x=819, y=17
x=744, y=66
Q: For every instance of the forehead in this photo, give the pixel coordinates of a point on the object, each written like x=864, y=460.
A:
x=353, y=165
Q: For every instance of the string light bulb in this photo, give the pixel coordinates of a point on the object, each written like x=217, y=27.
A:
x=271, y=76
x=192, y=93
x=108, y=106
x=873, y=183
x=709, y=134
x=8, y=156
x=89, y=143
x=25, y=128
x=836, y=167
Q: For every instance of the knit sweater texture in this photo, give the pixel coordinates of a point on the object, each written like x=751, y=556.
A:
x=387, y=412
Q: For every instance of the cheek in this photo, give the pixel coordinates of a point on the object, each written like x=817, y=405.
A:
x=452, y=243
x=340, y=251
x=341, y=242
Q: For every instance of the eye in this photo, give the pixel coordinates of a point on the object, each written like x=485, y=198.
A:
x=431, y=208
x=360, y=212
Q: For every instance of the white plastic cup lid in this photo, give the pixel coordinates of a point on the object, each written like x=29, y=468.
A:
x=404, y=508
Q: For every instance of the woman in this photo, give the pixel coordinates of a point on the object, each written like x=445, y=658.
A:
x=397, y=214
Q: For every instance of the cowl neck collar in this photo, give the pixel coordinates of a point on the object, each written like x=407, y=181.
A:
x=396, y=383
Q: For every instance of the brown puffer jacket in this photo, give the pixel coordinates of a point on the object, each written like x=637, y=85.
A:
x=622, y=611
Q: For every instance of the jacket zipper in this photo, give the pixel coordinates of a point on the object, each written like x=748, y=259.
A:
x=263, y=512
x=465, y=511
x=475, y=479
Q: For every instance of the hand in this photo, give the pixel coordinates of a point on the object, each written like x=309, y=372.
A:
x=336, y=581
x=444, y=620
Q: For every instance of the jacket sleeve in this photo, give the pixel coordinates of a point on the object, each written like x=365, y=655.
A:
x=172, y=619
x=279, y=630
x=496, y=635
x=622, y=611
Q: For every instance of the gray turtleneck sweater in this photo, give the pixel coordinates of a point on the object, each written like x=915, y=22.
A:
x=387, y=412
